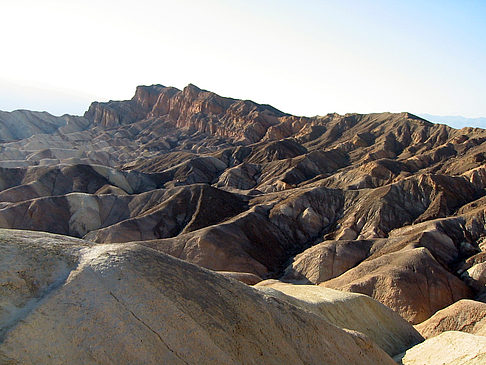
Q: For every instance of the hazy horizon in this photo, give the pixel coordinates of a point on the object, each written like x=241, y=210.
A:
x=310, y=58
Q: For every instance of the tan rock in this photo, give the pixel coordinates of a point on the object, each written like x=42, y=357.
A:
x=110, y=189
x=137, y=167
x=327, y=260
x=21, y=124
x=478, y=274
x=244, y=277
x=448, y=348
x=243, y=176
x=350, y=311
x=464, y=315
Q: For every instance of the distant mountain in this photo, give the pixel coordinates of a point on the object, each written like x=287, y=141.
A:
x=456, y=121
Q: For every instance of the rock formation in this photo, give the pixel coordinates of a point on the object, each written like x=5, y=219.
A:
x=448, y=348
x=388, y=205
x=410, y=281
x=465, y=315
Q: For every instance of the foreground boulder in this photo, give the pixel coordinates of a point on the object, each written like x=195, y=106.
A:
x=448, y=348
x=65, y=301
x=348, y=310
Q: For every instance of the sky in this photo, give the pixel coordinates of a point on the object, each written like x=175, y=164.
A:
x=304, y=57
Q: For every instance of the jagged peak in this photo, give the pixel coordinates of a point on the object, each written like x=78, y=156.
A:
x=191, y=86
x=193, y=91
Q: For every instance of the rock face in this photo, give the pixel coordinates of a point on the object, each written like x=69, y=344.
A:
x=448, y=348
x=68, y=301
x=465, y=315
x=387, y=205
x=191, y=108
x=348, y=310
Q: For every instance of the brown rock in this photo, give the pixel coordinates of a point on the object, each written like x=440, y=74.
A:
x=465, y=315
x=411, y=282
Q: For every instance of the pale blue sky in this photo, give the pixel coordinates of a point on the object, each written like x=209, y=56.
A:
x=303, y=57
